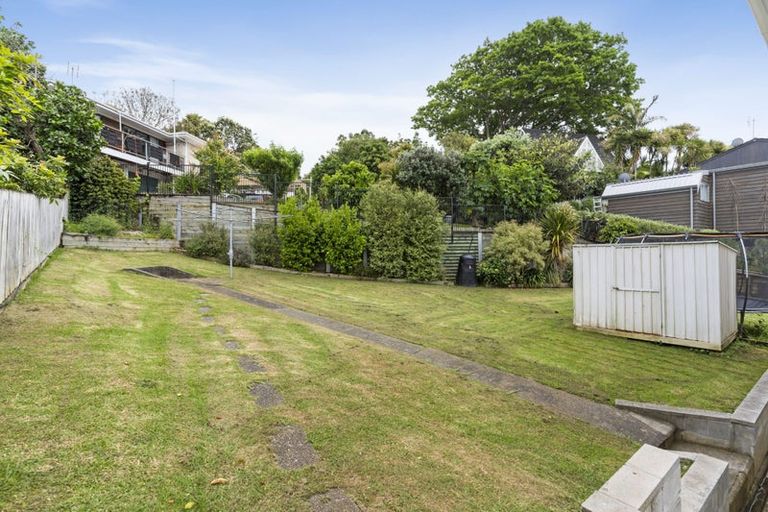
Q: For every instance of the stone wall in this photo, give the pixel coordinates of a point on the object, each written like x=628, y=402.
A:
x=117, y=244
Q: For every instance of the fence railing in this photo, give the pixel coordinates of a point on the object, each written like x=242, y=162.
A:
x=138, y=146
x=30, y=229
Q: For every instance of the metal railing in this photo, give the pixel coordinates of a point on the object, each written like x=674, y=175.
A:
x=137, y=146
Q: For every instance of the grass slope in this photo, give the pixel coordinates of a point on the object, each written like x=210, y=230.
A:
x=526, y=332
x=114, y=395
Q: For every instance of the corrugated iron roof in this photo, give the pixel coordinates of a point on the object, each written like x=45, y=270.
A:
x=664, y=184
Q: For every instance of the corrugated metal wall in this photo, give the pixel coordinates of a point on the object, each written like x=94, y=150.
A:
x=681, y=292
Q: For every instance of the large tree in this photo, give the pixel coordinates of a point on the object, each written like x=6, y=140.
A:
x=363, y=147
x=145, y=105
x=551, y=75
x=425, y=168
x=236, y=137
x=275, y=167
x=197, y=125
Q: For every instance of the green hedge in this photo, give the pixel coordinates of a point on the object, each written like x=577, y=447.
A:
x=614, y=226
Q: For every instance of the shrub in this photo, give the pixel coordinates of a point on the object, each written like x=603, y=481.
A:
x=265, y=245
x=212, y=242
x=192, y=183
x=99, y=225
x=342, y=240
x=613, y=226
x=404, y=232
x=241, y=257
x=515, y=256
x=300, y=234
x=165, y=231
x=102, y=187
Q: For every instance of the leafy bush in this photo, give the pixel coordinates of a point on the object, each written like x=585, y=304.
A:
x=347, y=185
x=99, y=225
x=300, y=234
x=192, y=183
x=165, y=231
x=342, y=240
x=426, y=168
x=404, y=232
x=613, y=226
x=211, y=242
x=265, y=245
x=515, y=256
x=101, y=186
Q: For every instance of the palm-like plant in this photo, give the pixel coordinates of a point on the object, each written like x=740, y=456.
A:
x=560, y=224
x=629, y=132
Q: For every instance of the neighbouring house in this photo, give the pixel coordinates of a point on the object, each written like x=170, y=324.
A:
x=728, y=193
x=590, y=145
x=682, y=199
x=152, y=154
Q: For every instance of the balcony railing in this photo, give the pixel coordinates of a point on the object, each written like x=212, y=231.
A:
x=133, y=145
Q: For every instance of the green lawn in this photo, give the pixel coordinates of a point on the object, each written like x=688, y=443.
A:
x=115, y=395
x=526, y=332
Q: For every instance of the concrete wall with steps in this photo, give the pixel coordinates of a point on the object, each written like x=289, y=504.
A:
x=463, y=242
x=651, y=481
x=743, y=433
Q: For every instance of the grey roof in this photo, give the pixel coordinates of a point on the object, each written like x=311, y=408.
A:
x=751, y=152
x=663, y=184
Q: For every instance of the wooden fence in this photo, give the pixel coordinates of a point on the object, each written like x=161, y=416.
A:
x=30, y=229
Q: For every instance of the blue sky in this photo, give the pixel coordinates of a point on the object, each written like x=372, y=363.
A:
x=302, y=72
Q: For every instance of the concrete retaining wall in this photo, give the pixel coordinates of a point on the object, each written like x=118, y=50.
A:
x=651, y=481
x=744, y=431
x=118, y=244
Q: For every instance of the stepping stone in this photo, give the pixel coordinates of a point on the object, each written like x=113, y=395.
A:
x=204, y=309
x=208, y=319
x=218, y=329
x=250, y=365
x=201, y=301
x=266, y=396
x=333, y=501
x=232, y=345
x=292, y=449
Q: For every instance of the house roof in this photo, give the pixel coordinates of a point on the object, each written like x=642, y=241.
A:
x=537, y=133
x=654, y=185
x=751, y=152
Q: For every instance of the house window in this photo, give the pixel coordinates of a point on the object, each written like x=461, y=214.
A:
x=704, y=192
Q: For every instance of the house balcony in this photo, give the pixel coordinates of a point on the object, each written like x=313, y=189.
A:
x=138, y=147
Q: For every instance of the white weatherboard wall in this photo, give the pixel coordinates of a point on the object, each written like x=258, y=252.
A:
x=30, y=229
x=678, y=293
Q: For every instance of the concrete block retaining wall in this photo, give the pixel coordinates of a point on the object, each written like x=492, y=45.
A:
x=651, y=481
x=118, y=244
x=743, y=431
x=705, y=487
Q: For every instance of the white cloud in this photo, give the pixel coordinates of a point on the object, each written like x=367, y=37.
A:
x=309, y=120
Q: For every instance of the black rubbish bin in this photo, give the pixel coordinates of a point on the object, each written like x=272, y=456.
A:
x=466, y=275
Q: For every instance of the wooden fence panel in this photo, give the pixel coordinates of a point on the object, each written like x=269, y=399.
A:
x=30, y=229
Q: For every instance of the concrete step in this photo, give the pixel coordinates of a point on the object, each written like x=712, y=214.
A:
x=741, y=472
x=666, y=430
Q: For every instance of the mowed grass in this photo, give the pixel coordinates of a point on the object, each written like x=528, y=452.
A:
x=525, y=332
x=115, y=395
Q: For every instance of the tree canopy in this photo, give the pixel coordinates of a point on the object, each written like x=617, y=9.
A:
x=145, y=105
x=552, y=75
x=275, y=167
x=363, y=147
x=437, y=172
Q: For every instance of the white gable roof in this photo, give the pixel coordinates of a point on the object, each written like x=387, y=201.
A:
x=664, y=184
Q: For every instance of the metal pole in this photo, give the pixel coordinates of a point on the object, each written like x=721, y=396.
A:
x=178, y=221
x=746, y=284
x=274, y=197
x=231, y=249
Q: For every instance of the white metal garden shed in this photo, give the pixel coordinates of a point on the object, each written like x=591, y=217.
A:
x=681, y=293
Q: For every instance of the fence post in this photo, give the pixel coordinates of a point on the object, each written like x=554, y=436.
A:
x=479, y=245
x=178, y=221
x=213, y=213
x=231, y=248
x=274, y=197
x=253, y=218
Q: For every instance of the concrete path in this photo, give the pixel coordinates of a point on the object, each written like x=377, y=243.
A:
x=603, y=416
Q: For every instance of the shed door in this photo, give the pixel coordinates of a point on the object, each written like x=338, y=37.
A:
x=637, y=289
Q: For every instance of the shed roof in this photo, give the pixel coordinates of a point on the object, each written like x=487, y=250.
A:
x=664, y=184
